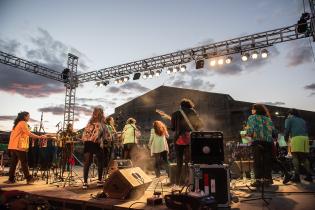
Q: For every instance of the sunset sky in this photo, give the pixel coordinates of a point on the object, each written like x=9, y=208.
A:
x=108, y=33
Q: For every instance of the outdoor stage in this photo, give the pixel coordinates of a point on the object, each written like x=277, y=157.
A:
x=77, y=198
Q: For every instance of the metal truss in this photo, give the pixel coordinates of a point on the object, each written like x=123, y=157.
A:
x=71, y=86
x=223, y=48
x=25, y=65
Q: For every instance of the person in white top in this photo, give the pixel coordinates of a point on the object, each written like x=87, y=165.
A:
x=159, y=146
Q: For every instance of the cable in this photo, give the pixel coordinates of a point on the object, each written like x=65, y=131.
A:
x=135, y=203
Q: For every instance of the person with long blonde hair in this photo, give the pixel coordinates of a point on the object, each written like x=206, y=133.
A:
x=159, y=146
x=93, y=136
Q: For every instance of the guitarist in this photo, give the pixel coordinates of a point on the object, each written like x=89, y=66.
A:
x=183, y=121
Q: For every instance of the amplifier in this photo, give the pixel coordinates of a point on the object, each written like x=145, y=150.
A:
x=207, y=147
x=214, y=180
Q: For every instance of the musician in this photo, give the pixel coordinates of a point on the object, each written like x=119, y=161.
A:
x=182, y=132
x=295, y=127
x=67, y=137
x=260, y=128
x=159, y=146
x=129, y=137
x=93, y=135
x=18, y=146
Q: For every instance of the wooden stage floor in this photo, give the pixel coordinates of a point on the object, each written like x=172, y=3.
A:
x=292, y=196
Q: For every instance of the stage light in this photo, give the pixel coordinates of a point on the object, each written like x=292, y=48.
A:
x=136, y=76
x=125, y=79
x=245, y=57
x=276, y=113
x=151, y=74
x=158, y=73
x=97, y=84
x=255, y=55
x=264, y=53
x=105, y=83
x=200, y=64
x=169, y=70
x=116, y=81
x=145, y=76
x=176, y=69
x=212, y=62
x=183, y=68
x=228, y=60
x=220, y=61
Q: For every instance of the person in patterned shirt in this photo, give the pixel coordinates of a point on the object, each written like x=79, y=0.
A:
x=260, y=128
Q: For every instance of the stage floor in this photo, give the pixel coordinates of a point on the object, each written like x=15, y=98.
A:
x=292, y=196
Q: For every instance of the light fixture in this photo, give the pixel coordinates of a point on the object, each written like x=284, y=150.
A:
x=125, y=79
x=245, y=57
x=97, y=84
x=183, y=68
x=228, y=60
x=151, y=74
x=264, y=53
x=176, y=69
x=212, y=62
x=169, y=70
x=105, y=83
x=158, y=73
x=254, y=55
x=145, y=76
x=276, y=113
x=136, y=76
x=220, y=61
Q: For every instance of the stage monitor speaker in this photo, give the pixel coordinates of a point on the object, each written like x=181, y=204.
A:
x=126, y=183
x=207, y=147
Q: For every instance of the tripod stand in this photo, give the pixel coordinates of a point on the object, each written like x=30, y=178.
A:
x=70, y=178
x=260, y=148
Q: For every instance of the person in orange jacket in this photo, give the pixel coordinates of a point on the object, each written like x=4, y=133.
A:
x=18, y=146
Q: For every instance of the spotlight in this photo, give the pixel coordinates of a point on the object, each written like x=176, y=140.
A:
x=264, y=53
x=255, y=55
x=151, y=74
x=183, y=68
x=228, y=60
x=116, y=81
x=176, y=69
x=120, y=80
x=220, y=61
x=169, y=70
x=97, y=84
x=105, y=83
x=212, y=63
x=125, y=79
x=136, y=76
x=158, y=73
x=245, y=57
x=145, y=76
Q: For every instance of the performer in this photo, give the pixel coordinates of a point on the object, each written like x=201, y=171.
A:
x=18, y=146
x=159, y=146
x=129, y=137
x=67, y=137
x=260, y=127
x=93, y=136
x=182, y=132
x=295, y=127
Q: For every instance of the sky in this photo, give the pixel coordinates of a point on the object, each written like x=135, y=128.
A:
x=108, y=33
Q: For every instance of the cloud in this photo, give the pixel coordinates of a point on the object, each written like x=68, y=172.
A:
x=299, y=53
x=277, y=103
x=59, y=110
x=84, y=100
x=134, y=86
x=43, y=50
x=310, y=87
x=12, y=118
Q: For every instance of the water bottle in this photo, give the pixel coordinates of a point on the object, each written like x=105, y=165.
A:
x=252, y=176
x=244, y=177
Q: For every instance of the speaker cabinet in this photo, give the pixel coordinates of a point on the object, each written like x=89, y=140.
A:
x=127, y=183
x=207, y=147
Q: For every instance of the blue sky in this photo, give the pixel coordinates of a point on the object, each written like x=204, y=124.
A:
x=107, y=33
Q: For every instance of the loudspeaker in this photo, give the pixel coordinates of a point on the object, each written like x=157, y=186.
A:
x=126, y=183
x=114, y=165
x=200, y=64
x=215, y=180
x=207, y=147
